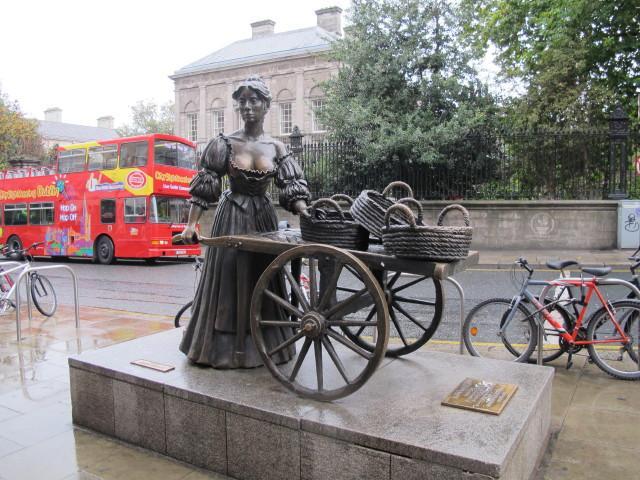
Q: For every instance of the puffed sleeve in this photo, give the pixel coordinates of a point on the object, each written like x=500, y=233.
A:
x=205, y=186
x=290, y=180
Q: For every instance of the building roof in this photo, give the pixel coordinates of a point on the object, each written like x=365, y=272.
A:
x=69, y=132
x=269, y=47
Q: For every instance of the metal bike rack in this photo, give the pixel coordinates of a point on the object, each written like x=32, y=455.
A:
x=456, y=284
x=48, y=267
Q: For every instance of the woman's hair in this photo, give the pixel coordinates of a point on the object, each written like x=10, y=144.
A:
x=255, y=83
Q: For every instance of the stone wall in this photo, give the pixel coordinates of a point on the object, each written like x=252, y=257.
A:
x=513, y=225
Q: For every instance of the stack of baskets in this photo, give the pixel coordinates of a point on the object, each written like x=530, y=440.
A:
x=370, y=207
x=333, y=227
x=414, y=240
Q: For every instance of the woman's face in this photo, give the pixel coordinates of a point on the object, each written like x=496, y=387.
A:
x=252, y=107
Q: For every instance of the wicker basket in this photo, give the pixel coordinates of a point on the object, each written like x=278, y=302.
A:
x=370, y=207
x=438, y=243
x=333, y=227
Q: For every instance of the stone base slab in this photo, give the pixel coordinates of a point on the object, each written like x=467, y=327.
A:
x=244, y=424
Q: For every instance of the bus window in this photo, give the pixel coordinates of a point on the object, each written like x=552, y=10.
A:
x=169, y=210
x=103, y=157
x=41, y=213
x=71, y=160
x=133, y=154
x=174, y=154
x=108, y=211
x=15, y=214
x=135, y=210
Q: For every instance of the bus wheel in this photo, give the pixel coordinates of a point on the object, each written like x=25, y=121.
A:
x=14, y=243
x=104, y=251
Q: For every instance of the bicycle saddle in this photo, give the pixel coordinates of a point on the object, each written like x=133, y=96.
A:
x=561, y=264
x=597, y=271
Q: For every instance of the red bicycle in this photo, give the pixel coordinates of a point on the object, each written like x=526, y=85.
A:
x=610, y=333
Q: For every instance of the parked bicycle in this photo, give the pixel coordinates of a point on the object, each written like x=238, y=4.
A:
x=187, y=306
x=508, y=328
x=40, y=288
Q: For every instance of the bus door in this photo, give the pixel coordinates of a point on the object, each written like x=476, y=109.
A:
x=133, y=241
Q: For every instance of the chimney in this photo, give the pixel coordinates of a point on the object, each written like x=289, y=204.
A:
x=53, y=114
x=106, y=122
x=330, y=19
x=262, y=28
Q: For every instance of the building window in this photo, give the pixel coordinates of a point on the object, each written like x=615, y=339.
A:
x=41, y=213
x=192, y=126
x=316, y=107
x=216, y=122
x=286, y=120
x=103, y=157
x=135, y=210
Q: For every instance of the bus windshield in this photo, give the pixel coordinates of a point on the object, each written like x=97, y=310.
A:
x=174, y=154
x=169, y=210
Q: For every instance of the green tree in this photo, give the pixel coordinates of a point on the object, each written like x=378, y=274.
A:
x=576, y=58
x=405, y=92
x=149, y=117
x=18, y=135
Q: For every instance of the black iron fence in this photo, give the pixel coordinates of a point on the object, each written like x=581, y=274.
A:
x=527, y=165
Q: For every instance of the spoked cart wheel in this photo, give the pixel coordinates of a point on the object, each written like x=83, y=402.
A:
x=415, y=307
x=328, y=365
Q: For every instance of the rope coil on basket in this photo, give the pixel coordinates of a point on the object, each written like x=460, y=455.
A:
x=370, y=206
x=438, y=243
x=333, y=227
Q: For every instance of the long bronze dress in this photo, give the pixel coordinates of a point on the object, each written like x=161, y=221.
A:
x=211, y=336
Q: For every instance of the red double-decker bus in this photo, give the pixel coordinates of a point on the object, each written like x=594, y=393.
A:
x=105, y=199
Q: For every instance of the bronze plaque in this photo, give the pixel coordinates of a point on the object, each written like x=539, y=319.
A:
x=153, y=365
x=481, y=396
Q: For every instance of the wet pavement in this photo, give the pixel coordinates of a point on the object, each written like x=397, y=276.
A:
x=595, y=417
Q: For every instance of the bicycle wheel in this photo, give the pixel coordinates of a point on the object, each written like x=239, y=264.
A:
x=611, y=354
x=485, y=335
x=185, y=307
x=43, y=295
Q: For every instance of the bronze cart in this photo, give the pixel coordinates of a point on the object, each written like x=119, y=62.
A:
x=342, y=303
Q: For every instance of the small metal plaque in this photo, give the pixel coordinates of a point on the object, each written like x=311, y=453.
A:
x=153, y=365
x=481, y=396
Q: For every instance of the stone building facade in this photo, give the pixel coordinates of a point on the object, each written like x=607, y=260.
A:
x=292, y=63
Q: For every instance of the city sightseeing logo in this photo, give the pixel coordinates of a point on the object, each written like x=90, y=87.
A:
x=136, y=180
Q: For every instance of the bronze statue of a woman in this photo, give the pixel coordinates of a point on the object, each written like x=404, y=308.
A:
x=250, y=158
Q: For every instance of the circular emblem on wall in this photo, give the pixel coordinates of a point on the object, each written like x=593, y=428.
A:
x=136, y=180
x=542, y=224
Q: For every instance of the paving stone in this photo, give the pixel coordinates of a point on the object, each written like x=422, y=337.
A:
x=92, y=401
x=258, y=450
x=139, y=416
x=196, y=434
x=324, y=457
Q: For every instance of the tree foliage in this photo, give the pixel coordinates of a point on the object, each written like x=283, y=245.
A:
x=405, y=91
x=577, y=58
x=149, y=117
x=18, y=135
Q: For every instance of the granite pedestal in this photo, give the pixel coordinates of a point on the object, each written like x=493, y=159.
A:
x=244, y=424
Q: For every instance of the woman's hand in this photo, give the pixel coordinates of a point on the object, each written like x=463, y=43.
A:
x=300, y=208
x=189, y=235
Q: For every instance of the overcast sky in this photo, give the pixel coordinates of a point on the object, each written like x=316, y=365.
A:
x=93, y=58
